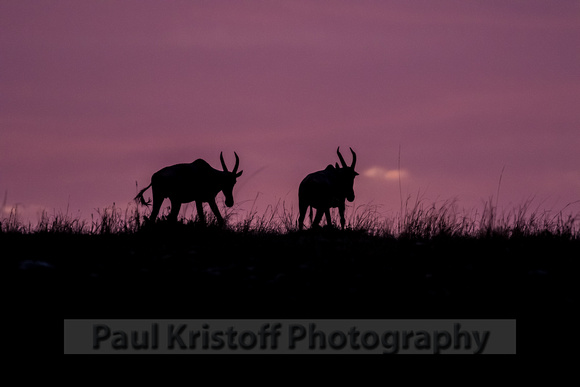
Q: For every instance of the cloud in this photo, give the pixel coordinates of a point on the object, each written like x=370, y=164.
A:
x=381, y=173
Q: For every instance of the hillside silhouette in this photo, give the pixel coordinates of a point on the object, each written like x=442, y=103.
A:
x=120, y=266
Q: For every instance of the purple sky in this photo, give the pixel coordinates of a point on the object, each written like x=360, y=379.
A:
x=96, y=95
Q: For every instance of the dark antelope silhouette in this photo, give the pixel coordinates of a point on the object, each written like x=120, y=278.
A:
x=327, y=189
x=184, y=183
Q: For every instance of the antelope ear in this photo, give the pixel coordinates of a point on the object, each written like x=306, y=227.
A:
x=356, y=173
x=239, y=173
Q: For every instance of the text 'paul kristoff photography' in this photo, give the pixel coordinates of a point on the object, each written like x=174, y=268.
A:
x=289, y=337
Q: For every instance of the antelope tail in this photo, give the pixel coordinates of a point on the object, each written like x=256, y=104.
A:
x=140, y=199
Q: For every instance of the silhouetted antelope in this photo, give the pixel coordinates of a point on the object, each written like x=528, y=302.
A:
x=326, y=189
x=184, y=183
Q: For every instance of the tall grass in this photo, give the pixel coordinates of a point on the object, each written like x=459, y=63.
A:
x=446, y=219
x=422, y=221
x=111, y=220
x=416, y=219
x=277, y=219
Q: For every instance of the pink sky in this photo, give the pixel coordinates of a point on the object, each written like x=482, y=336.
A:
x=96, y=95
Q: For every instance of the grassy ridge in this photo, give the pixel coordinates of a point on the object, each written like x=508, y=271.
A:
x=210, y=270
x=429, y=262
x=415, y=220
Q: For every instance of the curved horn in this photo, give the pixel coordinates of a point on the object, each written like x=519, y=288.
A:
x=237, y=163
x=353, y=158
x=340, y=158
x=223, y=162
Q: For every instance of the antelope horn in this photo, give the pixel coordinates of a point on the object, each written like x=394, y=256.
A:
x=340, y=158
x=223, y=162
x=237, y=163
x=353, y=158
